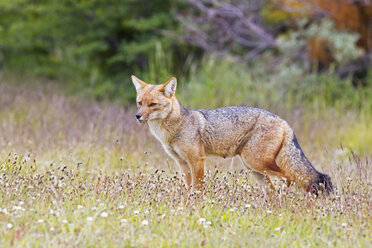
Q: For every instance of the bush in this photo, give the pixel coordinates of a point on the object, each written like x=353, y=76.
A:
x=97, y=41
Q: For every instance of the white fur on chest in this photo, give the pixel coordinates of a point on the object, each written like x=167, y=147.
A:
x=158, y=131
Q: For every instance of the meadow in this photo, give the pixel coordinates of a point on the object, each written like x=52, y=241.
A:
x=76, y=172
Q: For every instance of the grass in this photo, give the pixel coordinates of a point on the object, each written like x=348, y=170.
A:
x=75, y=172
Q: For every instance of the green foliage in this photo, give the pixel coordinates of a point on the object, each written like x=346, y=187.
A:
x=101, y=42
x=220, y=83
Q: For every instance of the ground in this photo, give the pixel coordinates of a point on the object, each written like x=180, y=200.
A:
x=78, y=173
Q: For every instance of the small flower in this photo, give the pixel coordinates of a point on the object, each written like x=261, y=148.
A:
x=232, y=209
x=269, y=211
x=9, y=225
x=247, y=205
x=145, y=223
x=344, y=224
x=123, y=221
x=17, y=208
x=52, y=229
x=64, y=221
x=121, y=207
x=201, y=221
x=136, y=212
x=104, y=215
x=40, y=221
x=4, y=211
x=79, y=206
x=277, y=229
x=89, y=218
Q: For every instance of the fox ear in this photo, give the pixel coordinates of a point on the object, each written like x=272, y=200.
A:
x=139, y=84
x=169, y=88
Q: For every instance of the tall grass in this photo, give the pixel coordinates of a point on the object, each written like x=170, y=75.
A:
x=77, y=172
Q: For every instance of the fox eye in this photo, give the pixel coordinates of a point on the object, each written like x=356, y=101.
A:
x=140, y=103
x=152, y=104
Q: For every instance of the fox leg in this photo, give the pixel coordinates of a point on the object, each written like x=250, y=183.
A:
x=262, y=179
x=186, y=170
x=261, y=154
x=195, y=159
x=258, y=176
x=288, y=183
x=197, y=170
x=182, y=164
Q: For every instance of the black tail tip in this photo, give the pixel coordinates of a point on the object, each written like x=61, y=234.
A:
x=322, y=184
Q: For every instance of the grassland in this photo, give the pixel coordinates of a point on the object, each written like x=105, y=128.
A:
x=78, y=173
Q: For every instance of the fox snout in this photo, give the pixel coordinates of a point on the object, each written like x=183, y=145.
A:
x=140, y=117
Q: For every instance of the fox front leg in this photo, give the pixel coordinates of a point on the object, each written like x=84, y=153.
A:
x=197, y=171
x=181, y=163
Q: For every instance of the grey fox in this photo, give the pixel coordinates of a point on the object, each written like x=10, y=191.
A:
x=264, y=142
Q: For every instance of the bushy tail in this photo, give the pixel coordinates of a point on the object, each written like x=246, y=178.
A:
x=323, y=184
x=298, y=168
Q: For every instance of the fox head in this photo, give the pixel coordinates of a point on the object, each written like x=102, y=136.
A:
x=154, y=101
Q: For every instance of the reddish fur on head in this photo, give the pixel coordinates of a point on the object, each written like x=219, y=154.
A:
x=154, y=101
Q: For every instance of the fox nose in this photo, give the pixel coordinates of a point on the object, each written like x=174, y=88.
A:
x=138, y=116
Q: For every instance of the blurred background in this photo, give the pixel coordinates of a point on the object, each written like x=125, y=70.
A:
x=95, y=45
x=308, y=61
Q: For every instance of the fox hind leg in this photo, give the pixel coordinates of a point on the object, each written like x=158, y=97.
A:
x=261, y=178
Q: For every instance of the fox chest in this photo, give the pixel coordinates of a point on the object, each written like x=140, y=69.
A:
x=158, y=131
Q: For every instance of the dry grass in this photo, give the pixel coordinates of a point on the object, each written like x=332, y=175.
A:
x=80, y=173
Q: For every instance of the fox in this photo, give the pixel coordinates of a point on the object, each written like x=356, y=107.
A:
x=265, y=143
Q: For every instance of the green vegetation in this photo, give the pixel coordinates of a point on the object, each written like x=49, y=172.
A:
x=96, y=44
x=75, y=172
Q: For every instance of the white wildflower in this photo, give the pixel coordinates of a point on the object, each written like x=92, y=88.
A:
x=145, y=223
x=17, y=208
x=104, y=215
x=9, y=225
x=89, y=218
x=201, y=221
x=40, y=221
